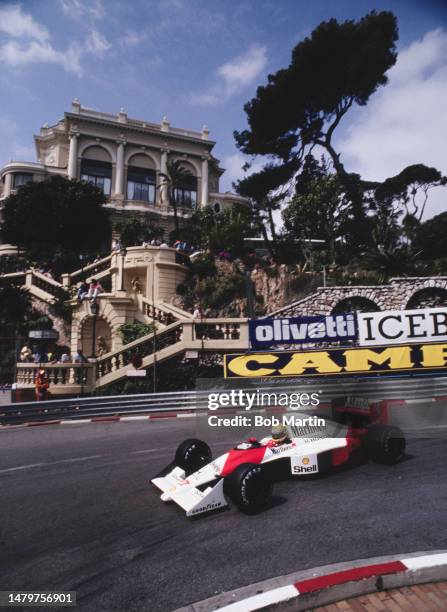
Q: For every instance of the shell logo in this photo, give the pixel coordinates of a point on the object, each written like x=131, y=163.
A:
x=305, y=460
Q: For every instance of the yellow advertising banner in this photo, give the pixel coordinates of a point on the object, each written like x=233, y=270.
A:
x=339, y=361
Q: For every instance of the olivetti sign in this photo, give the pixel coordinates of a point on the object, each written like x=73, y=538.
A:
x=300, y=330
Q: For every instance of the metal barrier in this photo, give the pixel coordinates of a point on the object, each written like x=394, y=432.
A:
x=376, y=389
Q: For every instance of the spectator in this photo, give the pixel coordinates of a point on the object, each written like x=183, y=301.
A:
x=164, y=245
x=42, y=384
x=94, y=289
x=82, y=291
x=40, y=357
x=79, y=357
x=197, y=314
x=26, y=354
x=65, y=358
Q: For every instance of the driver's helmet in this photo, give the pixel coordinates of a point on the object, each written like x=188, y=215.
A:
x=279, y=433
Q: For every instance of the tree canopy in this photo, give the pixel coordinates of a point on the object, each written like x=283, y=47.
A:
x=55, y=220
x=134, y=230
x=338, y=66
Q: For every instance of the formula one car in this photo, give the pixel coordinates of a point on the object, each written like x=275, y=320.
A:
x=245, y=474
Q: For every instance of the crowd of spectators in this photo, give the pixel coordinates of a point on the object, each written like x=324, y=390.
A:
x=178, y=245
x=49, y=357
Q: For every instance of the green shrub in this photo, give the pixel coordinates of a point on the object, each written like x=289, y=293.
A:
x=132, y=331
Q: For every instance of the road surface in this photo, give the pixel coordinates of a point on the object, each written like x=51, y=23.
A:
x=78, y=513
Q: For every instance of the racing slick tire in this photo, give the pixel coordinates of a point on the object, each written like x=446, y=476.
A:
x=248, y=487
x=192, y=454
x=385, y=444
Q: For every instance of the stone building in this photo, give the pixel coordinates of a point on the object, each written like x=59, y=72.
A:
x=126, y=158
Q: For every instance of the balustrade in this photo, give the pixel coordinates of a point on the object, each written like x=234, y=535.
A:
x=144, y=347
x=158, y=314
x=211, y=330
x=58, y=374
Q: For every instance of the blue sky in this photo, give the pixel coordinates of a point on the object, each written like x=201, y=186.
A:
x=199, y=61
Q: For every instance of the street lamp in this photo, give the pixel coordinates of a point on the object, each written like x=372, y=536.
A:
x=123, y=252
x=94, y=309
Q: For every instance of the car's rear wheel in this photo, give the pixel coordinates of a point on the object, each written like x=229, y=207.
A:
x=192, y=454
x=385, y=444
x=248, y=487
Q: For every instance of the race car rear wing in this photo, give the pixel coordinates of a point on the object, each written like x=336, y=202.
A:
x=359, y=410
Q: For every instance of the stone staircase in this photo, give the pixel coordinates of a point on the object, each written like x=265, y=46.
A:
x=208, y=335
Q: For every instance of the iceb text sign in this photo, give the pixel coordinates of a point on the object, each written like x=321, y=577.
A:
x=402, y=326
x=301, y=330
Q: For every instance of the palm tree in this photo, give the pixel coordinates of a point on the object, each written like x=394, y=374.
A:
x=175, y=175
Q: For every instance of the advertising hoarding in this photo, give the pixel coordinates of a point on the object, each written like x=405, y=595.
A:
x=402, y=326
x=300, y=330
x=412, y=358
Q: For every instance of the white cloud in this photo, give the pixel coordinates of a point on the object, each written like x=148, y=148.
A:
x=405, y=121
x=97, y=44
x=77, y=9
x=15, y=54
x=25, y=41
x=15, y=23
x=132, y=38
x=234, y=75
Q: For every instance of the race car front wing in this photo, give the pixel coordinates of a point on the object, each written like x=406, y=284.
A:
x=177, y=488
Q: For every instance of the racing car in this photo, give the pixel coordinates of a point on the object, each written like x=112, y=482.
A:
x=245, y=474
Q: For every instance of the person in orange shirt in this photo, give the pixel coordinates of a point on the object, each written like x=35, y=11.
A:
x=42, y=384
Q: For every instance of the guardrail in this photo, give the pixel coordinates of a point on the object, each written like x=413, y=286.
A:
x=420, y=388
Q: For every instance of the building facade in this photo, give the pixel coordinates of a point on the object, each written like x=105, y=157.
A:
x=127, y=159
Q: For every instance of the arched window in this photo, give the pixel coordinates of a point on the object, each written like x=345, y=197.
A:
x=185, y=191
x=96, y=168
x=430, y=297
x=355, y=304
x=141, y=179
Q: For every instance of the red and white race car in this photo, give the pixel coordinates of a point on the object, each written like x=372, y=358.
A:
x=245, y=474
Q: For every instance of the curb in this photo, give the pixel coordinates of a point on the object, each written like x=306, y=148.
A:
x=328, y=584
x=105, y=419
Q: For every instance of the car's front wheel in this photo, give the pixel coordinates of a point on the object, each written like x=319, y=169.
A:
x=385, y=444
x=248, y=487
x=192, y=454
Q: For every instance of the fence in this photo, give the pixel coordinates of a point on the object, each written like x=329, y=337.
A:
x=419, y=388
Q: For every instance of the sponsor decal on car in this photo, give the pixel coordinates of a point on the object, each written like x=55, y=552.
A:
x=304, y=465
x=207, y=508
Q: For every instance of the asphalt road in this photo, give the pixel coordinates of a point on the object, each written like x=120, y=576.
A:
x=77, y=513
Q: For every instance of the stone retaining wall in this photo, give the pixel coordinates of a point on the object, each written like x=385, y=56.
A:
x=399, y=294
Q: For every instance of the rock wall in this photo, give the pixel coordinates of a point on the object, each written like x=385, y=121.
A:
x=398, y=294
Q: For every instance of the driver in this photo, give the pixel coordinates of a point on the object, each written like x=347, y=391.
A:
x=280, y=436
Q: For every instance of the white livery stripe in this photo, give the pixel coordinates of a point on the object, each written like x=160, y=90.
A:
x=263, y=599
x=415, y=563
